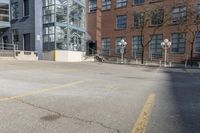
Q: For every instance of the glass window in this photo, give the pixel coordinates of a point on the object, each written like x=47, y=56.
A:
x=61, y=14
x=48, y=2
x=178, y=42
x=155, y=46
x=106, y=4
x=121, y=22
x=15, y=34
x=26, y=7
x=138, y=2
x=61, y=37
x=14, y=10
x=179, y=14
x=76, y=40
x=48, y=34
x=198, y=12
x=106, y=42
x=77, y=15
x=197, y=42
x=92, y=6
x=137, y=46
x=4, y=13
x=138, y=20
x=117, y=46
x=121, y=3
x=157, y=17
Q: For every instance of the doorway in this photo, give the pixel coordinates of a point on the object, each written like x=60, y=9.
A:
x=91, y=48
x=5, y=43
x=27, y=42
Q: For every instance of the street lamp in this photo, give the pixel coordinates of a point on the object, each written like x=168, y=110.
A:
x=122, y=45
x=166, y=45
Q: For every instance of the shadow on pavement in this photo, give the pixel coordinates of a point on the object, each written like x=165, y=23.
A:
x=185, y=91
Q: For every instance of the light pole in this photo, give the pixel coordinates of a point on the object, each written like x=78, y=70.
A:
x=122, y=45
x=166, y=45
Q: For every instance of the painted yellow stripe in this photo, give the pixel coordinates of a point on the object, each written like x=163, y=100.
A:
x=41, y=90
x=143, y=119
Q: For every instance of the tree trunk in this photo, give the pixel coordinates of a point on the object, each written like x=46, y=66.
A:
x=142, y=60
x=191, y=57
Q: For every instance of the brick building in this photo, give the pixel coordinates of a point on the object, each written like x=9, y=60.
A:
x=144, y=24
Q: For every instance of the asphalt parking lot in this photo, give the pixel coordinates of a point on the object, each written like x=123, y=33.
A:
x=49, y=97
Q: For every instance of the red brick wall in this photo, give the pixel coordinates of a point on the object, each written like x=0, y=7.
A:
x=107, y=28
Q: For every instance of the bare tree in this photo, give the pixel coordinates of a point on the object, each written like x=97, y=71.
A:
x=150, y=19
x=191, y=26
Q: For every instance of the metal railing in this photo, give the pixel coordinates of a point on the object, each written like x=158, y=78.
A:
x=8, y=46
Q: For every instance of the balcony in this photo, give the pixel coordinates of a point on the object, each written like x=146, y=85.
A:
x=4, y=14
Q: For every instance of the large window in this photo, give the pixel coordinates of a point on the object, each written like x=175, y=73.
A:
x=48, y=14
x=121, y=22
x=14, y=10
x=197, y=42
x=117, y=46
x=178, y=42
x=106, y=46
x=138, y=19
x=61, y=13
x=48, y=2
x=106, y=4
x=179, y=14
x=155, y=46
x=61, y=38
x=4, y=13
x=92, y=5
x=138, y=2
x=15, y=38
x=121, y=3
x=48, y=34
x=157, y=17
x=26, y=7
x=137, y=46
x=198, y=12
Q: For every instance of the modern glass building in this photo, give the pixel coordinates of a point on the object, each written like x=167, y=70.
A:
x=4, y=13
x=64, y=27
x=56, y=29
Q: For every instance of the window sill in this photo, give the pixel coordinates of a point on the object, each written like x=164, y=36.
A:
x=134, y=5
x=119, y=29
x=155, y=1
x=121, y=7
x=158, y=25
x=92, y=12
x=106, y=10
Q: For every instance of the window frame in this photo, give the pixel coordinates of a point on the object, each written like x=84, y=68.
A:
x=121, y=22
x=121, y=3
x=178, y=43
x=177, y=16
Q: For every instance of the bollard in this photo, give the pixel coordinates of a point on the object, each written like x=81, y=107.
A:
x=160, y=63
x=185, y=64
x=170, y=64
x=125, y=61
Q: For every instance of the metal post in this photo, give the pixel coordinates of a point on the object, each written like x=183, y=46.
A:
x=166, y=44
x=122, y=57
x=165, y=57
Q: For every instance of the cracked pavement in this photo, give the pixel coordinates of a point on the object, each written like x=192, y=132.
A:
x=108, y=99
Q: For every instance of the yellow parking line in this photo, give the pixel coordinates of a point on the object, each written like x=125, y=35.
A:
x=41, y=90
x=143, y=119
